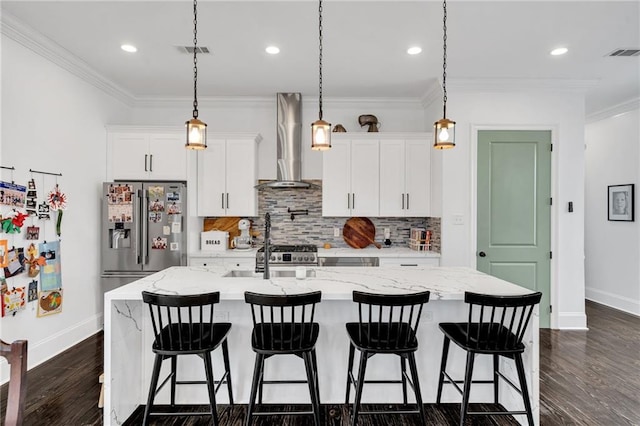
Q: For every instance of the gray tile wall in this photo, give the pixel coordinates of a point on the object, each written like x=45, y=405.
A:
x=318, y=230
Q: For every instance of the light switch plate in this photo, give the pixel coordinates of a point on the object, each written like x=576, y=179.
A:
x=458, y=219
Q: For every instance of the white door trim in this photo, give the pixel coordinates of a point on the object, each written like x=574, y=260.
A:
x=473, y=229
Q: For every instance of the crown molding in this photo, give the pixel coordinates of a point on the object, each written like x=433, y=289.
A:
x=14, y=29
x=630, y=105
x=521, y=85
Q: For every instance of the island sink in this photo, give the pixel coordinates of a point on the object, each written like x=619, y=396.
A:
x=277, y=273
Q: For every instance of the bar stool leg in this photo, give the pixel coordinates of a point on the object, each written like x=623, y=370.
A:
x=157, y=363
x=227, y=369
x=261, y=382
x=443, y=366
x=359, y=386
x=467, y=387
x=523, y=387
x=349, y=371
x=174, y=379
x=416, y=385
x=496, y=370
x=403, y=372
x=211, y=386
x=257, y=370
x=315, y=373
x=315, y=403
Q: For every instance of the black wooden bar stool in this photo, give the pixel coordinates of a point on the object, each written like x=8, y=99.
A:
x=283, y=325
x=183, y=325
x=496, y=327
x=387, y=324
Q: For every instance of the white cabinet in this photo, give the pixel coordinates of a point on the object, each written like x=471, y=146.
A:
x=409, y=261
x=405, y=184
x=146, y=153
x=350, y=182
x=233, y=262
x=227, y=175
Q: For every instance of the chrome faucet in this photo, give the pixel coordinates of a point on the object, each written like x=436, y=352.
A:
x=267, y=244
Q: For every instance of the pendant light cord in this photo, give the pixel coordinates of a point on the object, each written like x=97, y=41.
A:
x=444, y=59
x=195, y=59
x=320, y=56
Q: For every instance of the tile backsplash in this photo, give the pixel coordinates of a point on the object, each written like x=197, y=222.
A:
x=315, y=229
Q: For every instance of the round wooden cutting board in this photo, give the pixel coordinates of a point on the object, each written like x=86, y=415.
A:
x=359, y=232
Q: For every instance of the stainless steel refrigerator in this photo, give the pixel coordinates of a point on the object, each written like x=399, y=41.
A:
x=143, y=230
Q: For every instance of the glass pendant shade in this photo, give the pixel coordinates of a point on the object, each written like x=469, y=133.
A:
x=320, y=135
x=196, y=134
x=444, y=134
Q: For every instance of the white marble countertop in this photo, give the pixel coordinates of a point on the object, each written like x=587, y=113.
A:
x=336, y=283
x=371, y=251
x=225, y=253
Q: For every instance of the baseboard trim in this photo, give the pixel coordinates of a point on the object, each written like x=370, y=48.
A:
x=46, y=349
x=615, y=301
x=572, y=321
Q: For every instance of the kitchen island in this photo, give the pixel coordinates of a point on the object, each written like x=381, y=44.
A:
x=128, y=337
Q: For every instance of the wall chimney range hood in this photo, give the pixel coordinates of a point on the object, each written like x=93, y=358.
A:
x=289, y=143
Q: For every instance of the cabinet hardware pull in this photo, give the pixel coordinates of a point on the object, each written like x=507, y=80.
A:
x=353, y=200
x=227, y=200
x=151, y=163
x=348, y=200
x=407, y=201
x=402, y=201
x=145, y=162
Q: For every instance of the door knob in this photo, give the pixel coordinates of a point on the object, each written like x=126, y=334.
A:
x=482, y=254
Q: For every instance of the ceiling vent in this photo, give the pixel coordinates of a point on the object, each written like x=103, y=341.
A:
x=189, y=49
x=625, y=52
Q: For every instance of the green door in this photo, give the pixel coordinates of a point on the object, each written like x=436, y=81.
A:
x=514, y=211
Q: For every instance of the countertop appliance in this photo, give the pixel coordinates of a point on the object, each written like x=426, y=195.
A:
x=288, y=255
x=143, y=230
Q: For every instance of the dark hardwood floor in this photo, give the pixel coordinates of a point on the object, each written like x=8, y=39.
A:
x=586, y=378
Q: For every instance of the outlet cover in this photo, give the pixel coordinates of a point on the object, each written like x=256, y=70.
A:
x=336, y=231
x=458, y=219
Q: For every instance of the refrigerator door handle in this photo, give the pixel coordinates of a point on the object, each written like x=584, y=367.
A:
x=145, y=226
x=138, y=239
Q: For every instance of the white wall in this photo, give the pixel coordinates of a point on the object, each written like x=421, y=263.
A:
x=563, y=113
x=612, y=248
x=53, y=121
x=259, y=115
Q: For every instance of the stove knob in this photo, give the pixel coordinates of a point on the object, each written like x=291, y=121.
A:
x=306, y=258
x=273, y=258
x=279, y=257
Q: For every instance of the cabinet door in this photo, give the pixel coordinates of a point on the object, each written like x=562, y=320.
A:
x=417, y=178
x=211, y=179
x=365, y=178
x=336, y=177
x=167, y=157
x=392, y=172
x=241, y=198
x=129, y=156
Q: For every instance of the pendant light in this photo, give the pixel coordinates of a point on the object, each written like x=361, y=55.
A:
x=196, y=129
x=320, y=129
x=444, y=129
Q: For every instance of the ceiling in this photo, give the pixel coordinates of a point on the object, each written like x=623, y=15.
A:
x=365, y=45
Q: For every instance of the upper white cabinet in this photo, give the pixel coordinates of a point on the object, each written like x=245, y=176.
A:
x=377, y=174
x=350, y=183
x=146, y=153
x=227, y=175
x=405, y=184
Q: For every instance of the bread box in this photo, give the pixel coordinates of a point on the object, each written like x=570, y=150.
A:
x=214, y=241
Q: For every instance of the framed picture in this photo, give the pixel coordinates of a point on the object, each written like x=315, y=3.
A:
x=620, y=201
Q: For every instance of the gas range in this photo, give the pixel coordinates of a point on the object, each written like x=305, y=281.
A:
x=294, y=255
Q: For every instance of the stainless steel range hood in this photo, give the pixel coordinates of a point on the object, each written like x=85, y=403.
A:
x=289, y=143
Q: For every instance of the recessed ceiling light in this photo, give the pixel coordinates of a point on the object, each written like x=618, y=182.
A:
x=129, y=48
x=414, y=50
x=272, y=50
x=559, y=51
